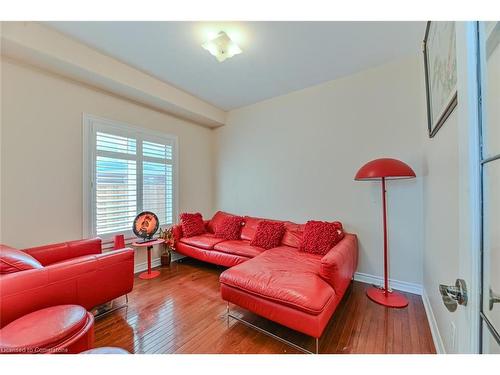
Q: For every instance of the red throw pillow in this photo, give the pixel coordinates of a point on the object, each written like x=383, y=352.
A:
x=192, y=224
x=268, y=234
x=216, y=220
x=320, y=236
x=229, y=228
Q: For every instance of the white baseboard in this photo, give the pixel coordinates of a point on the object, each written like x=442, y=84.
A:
x=436, y=337
x=156, y=262
x=139, y=267
x=394, y=284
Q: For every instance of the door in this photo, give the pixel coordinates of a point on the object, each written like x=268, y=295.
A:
x=489, y=62
x=453, y=209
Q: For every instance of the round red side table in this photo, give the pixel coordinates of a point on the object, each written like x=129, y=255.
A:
x=149, y=274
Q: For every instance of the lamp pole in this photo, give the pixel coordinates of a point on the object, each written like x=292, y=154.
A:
x=384, y=209
x=384, y=296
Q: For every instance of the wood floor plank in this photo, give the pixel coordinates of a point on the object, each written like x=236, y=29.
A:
x=181, y=312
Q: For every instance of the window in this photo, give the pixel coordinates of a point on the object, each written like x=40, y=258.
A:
x=127, y=170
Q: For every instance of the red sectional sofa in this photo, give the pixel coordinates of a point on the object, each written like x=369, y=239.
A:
x=296, y=289
x=73, y=272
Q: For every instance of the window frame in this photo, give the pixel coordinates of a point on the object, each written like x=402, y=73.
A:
x=92, y=124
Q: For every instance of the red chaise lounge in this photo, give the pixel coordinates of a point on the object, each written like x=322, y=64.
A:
x=296, y=289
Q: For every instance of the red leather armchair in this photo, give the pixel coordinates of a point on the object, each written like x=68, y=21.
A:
x=75, y=272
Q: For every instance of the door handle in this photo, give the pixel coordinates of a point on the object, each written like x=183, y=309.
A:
x=454, y=295
x=494, y=298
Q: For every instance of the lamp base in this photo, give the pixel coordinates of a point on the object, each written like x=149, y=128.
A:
x=149, y=275
x=386, y=298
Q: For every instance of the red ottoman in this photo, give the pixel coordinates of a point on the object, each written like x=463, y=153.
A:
x=56, y=329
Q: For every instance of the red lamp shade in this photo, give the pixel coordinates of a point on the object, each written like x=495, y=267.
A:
x=385, y=167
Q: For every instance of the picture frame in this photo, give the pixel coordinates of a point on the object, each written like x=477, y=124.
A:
x=439, y=49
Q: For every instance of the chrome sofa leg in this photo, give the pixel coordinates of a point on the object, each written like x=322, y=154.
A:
x=112, y=309
x=270, y=334
x=227, y=314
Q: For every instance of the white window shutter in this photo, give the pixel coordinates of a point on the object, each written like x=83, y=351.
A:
x=115, y=183
x=133, y=171
x=158, y=180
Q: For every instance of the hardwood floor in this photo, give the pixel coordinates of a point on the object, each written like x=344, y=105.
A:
x=181, y=312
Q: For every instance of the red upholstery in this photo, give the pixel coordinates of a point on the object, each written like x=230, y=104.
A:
x=211, y=256
x=338, y=265
x=178, y=233
x=229, y=228
x=13, y=260
x=250, y=227
x=56, y=329
x=86, y=280
x=217, y=219
x=58, y=252
x=192, y=224
x=205, y=241
x=297, y=289
x=268, y=234
x=312, y=325
x=293, y=234
x=284, y=275
x=320, y=236
x=239, y=247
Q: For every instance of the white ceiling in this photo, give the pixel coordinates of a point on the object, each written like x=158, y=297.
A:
x=277, y=58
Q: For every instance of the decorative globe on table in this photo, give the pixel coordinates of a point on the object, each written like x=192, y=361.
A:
x=145, y=225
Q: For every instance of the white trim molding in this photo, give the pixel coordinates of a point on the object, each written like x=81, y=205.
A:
x=436, y=336
x=403, y=286
x=156, y=262
x=140, y=267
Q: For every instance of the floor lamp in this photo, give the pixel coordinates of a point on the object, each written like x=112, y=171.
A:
x=384, y=169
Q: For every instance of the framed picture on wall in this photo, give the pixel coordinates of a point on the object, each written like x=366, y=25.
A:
x=440, y=72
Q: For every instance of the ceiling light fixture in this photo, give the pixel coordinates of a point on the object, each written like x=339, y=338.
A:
x=222, y=47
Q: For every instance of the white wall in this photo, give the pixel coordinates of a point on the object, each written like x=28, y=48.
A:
x=294, y=157
x=441, y=228
x=42, y=154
